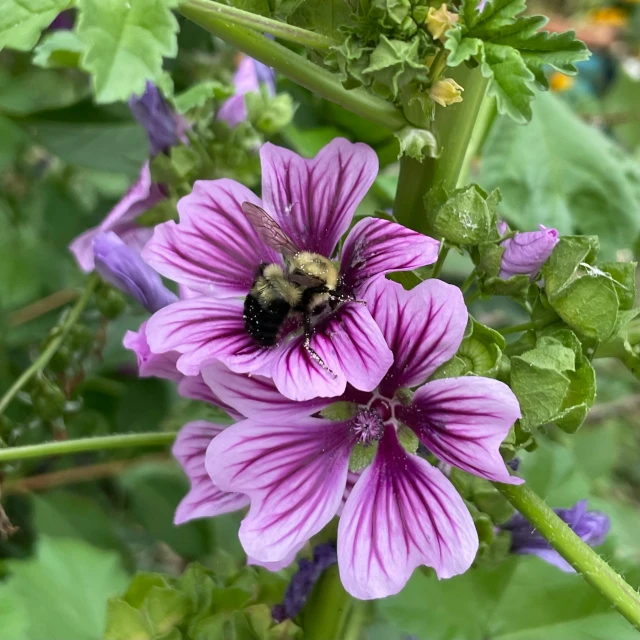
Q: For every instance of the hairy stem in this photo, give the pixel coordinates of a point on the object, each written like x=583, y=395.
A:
x=41, y=307
x=82, y=445
x=266, y=25
x=43, y=359
x=295, y=67
x=576, y=552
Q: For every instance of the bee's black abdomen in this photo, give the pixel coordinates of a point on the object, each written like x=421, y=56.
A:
x=263, y=322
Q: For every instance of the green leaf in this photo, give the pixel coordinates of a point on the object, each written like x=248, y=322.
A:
x=166, y=608
x=64, y=589
x=322, y=16
x=522, y=599
x=417, y=143
x=463, y=217
x=124, y=622
x=59, y=49
x=125, y=42
x=14, y=620
x=22, y=22
x=199, y=94
x=562, y=173
x=511, y=81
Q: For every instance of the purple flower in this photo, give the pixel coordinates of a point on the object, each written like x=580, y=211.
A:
x=163, y=126
x=247, y=79
x=591, y=526
x=400, y=511
x=525, y=253
x=121, y=220
x=215, y=250
x=122, y=266
x=63, y=21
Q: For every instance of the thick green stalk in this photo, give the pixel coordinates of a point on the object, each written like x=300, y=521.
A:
x=81, y=445
x=454, y=127
x=43, y=359
x=266, y=25
x=576, y=552
x=330, y=613
x=295, y=67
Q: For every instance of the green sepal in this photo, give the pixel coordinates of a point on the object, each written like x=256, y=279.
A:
x=361, y=457
x=490, y=501
x=464, y=217
x=408, y=439
x=339, y=411
x=482, y=350
x=453, y=368
x=269, y=114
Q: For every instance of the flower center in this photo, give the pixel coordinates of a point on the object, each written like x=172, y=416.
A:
x=367, y=426
x=382, y=408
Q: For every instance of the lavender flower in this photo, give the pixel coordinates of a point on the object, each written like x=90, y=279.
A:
x=591, y=526
x=247, y=79
x=122, y=266
x=397, y=511
x=163, y=126
x=121, y=220
x=525, y=253
x=216, y=251
x=302, y=583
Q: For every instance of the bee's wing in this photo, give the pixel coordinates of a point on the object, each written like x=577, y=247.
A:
x=270, y=232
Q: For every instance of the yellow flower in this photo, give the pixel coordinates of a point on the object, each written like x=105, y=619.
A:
x=446, y=92
x=558, y=82
x=609, y=16
x=439, y=21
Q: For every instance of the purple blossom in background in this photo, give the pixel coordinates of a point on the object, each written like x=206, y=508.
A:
x=216, y=251
x=525, y=253
x=481, y=5
x=247, y=79
x=122, y=220
x=591, y=526
x=302, y=583
x=122, y=266
x=63, y=21
x=398, y=512
x=163, y=126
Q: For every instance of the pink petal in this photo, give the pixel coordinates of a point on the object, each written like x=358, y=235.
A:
x=294, y=474
x=278, y=565
x=423, y=327
x=351, y=345
x=255, y=396
x=141, y=197
x=375, y=246
x=205, y=329
x=195, y=388
x=463, y=421
x=402, y=513
x=204, y=499
x=314, y=200
x=151, y=365
x=214, y=249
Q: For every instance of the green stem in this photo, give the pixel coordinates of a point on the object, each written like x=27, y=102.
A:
x=576, y=552
x=266, y=25
x=527, y=326
x=43, y=359
x=468, y=281
x=442, y=256
x=295, y=67
x=454, y=126
x=81, y=445
x=330, y=610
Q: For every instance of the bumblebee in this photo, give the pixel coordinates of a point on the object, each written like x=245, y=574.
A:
x=307, y=284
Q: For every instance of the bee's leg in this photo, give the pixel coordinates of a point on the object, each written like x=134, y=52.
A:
x=308, y=333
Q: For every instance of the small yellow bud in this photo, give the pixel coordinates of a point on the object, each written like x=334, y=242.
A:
x=558, y=82
x=439, y=21
x=446, y=92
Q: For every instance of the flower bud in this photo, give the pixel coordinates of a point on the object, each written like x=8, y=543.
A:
x=164, y=128
x=525, y=253
x=439, y=21
x=122, y=266
x=446, y=91
x=591, y=526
